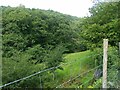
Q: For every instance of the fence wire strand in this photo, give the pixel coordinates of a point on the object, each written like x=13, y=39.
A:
x=77, y=76
x=44, y=71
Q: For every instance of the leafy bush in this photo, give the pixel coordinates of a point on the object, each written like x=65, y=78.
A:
x=113, y=65
x=55, y=56
x=36, y=54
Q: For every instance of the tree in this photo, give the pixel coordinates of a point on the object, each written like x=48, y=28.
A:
x=103, y=23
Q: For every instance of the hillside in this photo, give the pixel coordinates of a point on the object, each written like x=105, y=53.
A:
x=44, y=48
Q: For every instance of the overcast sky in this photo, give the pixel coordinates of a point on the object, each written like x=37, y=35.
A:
x=77, y=8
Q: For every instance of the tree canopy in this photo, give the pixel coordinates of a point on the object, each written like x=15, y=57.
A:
x=35, y=39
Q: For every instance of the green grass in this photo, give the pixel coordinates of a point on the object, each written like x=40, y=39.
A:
x=75, y=64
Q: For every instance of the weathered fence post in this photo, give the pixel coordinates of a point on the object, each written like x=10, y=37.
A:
x=105, y=49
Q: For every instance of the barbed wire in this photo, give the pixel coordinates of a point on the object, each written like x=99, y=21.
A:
x=76, y=77
x=28, y=76
x=43, y=71
x=47, y=70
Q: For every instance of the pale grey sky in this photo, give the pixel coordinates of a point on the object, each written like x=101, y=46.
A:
x=77, y=8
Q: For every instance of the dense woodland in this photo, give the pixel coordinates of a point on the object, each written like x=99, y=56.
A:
x=35, y=39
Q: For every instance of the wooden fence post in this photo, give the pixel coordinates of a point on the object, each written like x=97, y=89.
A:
x=105, y=49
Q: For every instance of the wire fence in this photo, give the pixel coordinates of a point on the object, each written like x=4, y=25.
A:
x=45, y=71
x=77, y=76
x=61, y=85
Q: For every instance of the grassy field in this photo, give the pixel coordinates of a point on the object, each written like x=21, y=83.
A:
x=74, y=65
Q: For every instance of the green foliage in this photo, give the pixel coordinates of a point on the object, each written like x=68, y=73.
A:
x=113, y=65
x=97, y=84
x=31, y=42
x=55, y=56
x=103, y=23
x=36, y=54
x=113, y=68
x=37, y=27
x=17, y=67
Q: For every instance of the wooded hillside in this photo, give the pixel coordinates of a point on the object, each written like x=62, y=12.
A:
x=35, y=39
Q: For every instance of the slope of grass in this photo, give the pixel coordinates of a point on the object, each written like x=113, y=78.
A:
x=75, y=64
